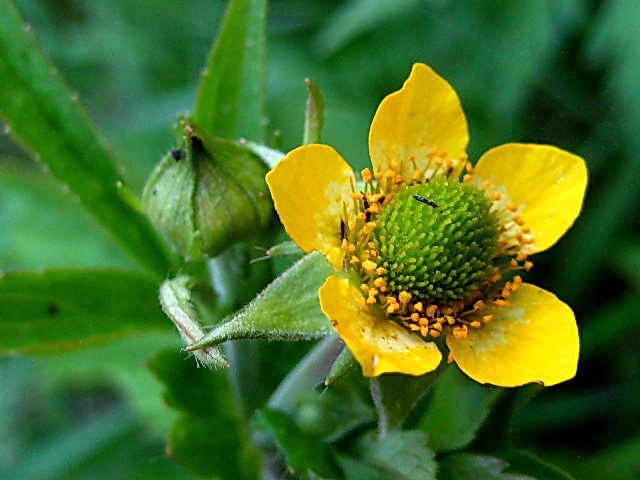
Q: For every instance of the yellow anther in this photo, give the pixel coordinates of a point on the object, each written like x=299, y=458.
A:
x=369, y=227
x=526, y=230
x=404, y=296
x=499, y=302
x=505, y=292
x=394, y=164
x=438, y=161
x=392, y=308
x=434, y=333
x=521, y=257
x=431, y=310
x=345, y=245
x=424, y=331
x=496, y=196
x=379, y=282
x=354, y=259
x=528, y=265
x=423, y=321
x=351, y=224
x=450, y=358
x=364, y=287
x=399, y=180
x=495, y=276
x=468, y=167
x=479, y=305
x=373, y=197
x=450, y=320
x=391, y=299
x=487, y=318
x=440, y=153
x=513, y=262
x=446, y=310
x=460, y=332
x=369, y=266
x=373, y=253
x=378, y=175
x=418, y=307
x=467, y=178
x=517, y=280
x=518, y=219
x=381, y=270
x=414, y=327
x=373, y=209
x=361, y=216
x=366, y=175
x=486, y=184
x=371, y=300
x=390, y=174
x=411, y=157
x=357, y=196
x=371, y=245
x=415, y=317
x=416, y=175
x=437, y=326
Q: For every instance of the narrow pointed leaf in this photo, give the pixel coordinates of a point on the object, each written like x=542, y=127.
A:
x=42, y=113
x=58, y=310
x=288, y=309
x=466, y=466
x=314, y=114
x=177, y=304
x=231, y=98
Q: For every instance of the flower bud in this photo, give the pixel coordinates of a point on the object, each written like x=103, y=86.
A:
x=207, y=194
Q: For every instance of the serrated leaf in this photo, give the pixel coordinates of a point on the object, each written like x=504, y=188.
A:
x=288, y=309
x=395, y=395
x=58, y=310
x=209, y=438
x=231, y=98
x=466, y=466
x=452, y=428
x=42, y=113
x=304, y=452
x=401, y=455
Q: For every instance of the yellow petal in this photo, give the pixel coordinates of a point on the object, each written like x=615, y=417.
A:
x=424, y=114
x=310, y=189
x=533, y=340
x=548, y=183
x=379, y=344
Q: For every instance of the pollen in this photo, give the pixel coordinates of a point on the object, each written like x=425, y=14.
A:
x=369, y=266
x=357, y=196
x=404, y=297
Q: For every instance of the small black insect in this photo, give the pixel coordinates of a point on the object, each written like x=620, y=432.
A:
x=431, y=203
x=343, y=229
x=176, y=154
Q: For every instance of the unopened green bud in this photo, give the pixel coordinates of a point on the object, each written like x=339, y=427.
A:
x=207, y=194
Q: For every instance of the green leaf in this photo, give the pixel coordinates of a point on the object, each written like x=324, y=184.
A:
x=304, y=452
x=395, y=395
x=42, y=113
x=452, y=428
x=401, y=455
x=466, y=466
x=314, y=114
x=58, y=310
x=209, y=438
x=288, y=309
x=231, y=98
x=527, y=463
x=178, y=304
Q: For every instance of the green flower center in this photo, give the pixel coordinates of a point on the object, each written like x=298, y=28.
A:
x=442, y=250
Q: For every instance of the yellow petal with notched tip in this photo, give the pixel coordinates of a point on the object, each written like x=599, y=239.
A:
x=535, y=339
x=425, y=114
x=310, y=188
x=379, y=344
x=546, y=182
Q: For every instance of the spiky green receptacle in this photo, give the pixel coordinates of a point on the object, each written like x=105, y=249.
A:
x=439, y=254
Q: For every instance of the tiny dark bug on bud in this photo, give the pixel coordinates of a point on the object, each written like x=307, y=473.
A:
x=431, y=203
x=176, y=154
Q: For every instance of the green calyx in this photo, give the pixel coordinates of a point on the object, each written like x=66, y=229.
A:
x=442, y=250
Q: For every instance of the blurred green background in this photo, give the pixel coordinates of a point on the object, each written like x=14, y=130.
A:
x=563, y=72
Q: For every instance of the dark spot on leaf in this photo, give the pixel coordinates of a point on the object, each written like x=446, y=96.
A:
x=53, y=309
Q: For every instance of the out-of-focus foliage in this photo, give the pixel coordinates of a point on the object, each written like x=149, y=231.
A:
x=562, y=72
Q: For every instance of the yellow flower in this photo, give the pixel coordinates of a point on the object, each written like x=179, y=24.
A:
x=427, y=247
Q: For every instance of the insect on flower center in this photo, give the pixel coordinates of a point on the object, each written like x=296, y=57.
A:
x=437, y=240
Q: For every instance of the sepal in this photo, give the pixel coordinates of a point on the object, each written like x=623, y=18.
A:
x=287, y=309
